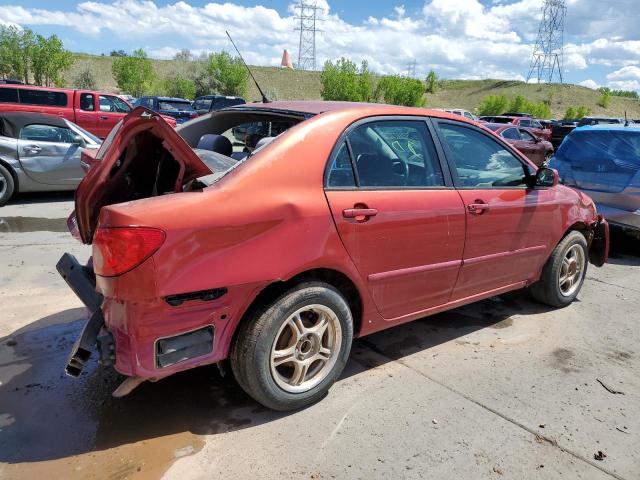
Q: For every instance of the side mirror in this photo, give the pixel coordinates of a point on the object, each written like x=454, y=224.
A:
x=78, y=140
x=546, y=177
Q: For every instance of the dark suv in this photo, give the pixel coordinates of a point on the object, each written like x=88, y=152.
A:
x=211, y=103
x=178, y=108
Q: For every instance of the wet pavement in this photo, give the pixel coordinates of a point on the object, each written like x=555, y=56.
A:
x=505, y=388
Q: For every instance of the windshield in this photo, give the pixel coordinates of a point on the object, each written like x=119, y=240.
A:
x=174, y=105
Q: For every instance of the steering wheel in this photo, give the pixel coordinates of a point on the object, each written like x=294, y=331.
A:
x=401, y=168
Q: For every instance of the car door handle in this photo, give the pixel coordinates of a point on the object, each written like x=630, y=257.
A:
x=31, y=148
x=477, y=208
x=359, y=214
x=104, y=117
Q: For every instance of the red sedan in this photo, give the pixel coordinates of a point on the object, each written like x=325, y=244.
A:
x=532, y=124
x=354, y=219
x=537, y=150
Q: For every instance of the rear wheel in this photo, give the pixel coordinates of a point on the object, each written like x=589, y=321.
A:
x=563, y=274
x=288, y=354
x=6, y=185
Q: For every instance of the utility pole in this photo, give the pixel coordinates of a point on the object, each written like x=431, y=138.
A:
x=307, y=18
x=547, y=59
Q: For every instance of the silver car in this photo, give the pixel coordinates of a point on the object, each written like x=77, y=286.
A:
x=40, y=153
x=604, y=162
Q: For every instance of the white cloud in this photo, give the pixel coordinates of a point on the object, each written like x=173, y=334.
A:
x=627, y=78
x=589, y=83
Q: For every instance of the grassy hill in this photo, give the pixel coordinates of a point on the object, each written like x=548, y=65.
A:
x=284, y=84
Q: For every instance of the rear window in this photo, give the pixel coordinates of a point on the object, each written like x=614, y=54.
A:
x=42, y=97
x=501, y=120
x=9, y=95
x=203, y=104
x=175, y=106
x=619, y=147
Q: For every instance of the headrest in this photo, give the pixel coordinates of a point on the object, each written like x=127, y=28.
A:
x=216, y=143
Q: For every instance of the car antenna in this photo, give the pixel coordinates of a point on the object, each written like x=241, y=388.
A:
x=264, y=97
x=626, y=122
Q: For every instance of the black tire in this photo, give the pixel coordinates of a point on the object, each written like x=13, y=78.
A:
x=548, y=290
x=251, y=352
x=6, y=185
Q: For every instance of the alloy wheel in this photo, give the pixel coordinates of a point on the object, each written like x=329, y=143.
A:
x=571, y=270
x=306, y=348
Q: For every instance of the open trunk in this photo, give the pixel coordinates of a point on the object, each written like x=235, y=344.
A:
x=142, y=157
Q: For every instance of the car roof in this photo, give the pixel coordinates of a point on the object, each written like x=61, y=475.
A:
x=230, y=97
x=172, y=99
x=620, y=127
x=315, y=107
x=12, y=122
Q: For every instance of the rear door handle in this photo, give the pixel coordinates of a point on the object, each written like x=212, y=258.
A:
x=359, y=214
x=104, y=117
x=477, y=208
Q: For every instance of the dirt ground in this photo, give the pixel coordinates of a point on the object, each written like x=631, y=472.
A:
x=505, y=388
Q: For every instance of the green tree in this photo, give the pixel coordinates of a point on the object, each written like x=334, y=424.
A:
x=118, y=53
x=183, y=55
x=492, y=105
x=48, y=59
x=397, y=90
x=134, y=74
x=85, y=80
x=179, y=86
x=518, y=104
x=582, y=112
x=344, y=81
x=570, y=114
x=604, y=100
x=432, y=82
x=223, y=74
x=16, y=48
x=538, y=110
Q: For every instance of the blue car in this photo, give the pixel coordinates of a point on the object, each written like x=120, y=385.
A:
x=178, y=108
x=604, y=162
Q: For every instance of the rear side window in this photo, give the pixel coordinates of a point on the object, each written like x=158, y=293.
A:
x=8, y=95
x=511, y=134
x=389, y=154
x=341, y=171
x=480, y=161
x=46, y=133
x=43, y=97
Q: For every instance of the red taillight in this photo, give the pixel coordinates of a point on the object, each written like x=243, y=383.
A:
x=119, y=249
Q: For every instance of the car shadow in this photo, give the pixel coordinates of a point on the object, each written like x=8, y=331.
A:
x=45, y=415
x=624, y=248
x=41, y=197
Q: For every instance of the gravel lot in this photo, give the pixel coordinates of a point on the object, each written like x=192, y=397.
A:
x=505, y=388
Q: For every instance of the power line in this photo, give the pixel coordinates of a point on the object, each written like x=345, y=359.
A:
x=547, y=59
x=308, y=18
x=411, y=68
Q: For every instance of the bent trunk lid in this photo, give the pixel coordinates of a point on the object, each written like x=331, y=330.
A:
x=100, y=186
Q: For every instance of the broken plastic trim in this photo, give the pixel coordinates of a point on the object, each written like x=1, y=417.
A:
x=203, y=295
x=172, y=350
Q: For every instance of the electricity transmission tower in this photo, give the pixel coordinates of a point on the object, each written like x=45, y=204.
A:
x=547, y=58
x=308, y=17
x=411, y=69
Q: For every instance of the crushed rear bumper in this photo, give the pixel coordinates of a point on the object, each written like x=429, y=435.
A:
x=82, y=281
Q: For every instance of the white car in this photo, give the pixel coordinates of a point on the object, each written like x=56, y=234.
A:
x=459, y=111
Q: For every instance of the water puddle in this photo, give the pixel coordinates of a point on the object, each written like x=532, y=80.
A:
x=32, y=224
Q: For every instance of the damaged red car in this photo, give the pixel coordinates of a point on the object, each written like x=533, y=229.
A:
x=351, y=219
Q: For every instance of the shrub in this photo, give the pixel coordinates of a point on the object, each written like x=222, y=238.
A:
x=432, y=82
x=85, y=80
x=179, y=86
x=492, y=105
x=397, y=90
x=604, y=100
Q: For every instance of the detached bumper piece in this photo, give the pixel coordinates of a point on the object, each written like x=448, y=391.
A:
x=82, y=281
x=171, y=350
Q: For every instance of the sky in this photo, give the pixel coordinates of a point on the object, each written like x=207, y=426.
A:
x=467, y=39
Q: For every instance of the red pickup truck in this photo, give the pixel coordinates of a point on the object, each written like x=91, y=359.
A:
x=96, y=112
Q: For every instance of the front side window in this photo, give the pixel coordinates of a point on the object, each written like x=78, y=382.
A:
x=480, y=161
x=43, y=97
x=46, y=133
x=113, y=104
x=526, y=136
x=395, y=153
x=9, y=95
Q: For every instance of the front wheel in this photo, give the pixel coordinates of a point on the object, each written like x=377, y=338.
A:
x=287, y=355
x=6, y=185
x=563, y=274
